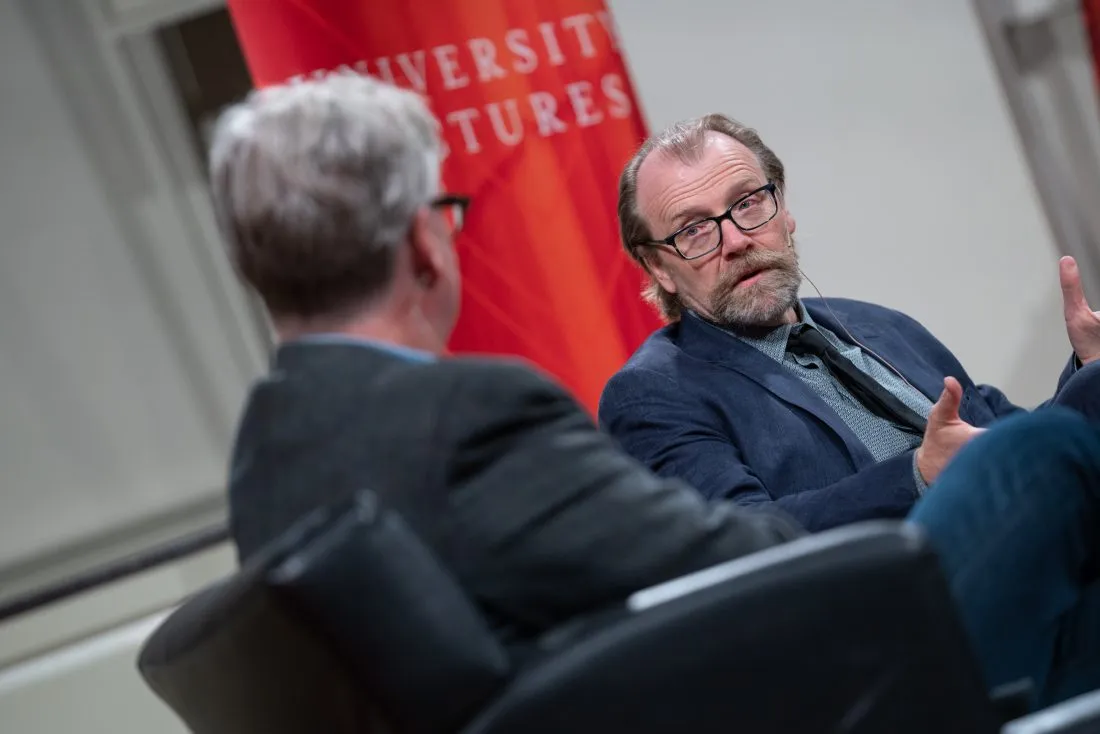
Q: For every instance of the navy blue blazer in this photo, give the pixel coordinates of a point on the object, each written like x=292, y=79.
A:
x=701, y=405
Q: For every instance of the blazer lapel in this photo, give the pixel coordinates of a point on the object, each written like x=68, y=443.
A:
x=887, y=348
x=707, y=342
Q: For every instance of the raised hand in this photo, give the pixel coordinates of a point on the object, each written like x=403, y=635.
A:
x=1082, y=323
x=946, y=432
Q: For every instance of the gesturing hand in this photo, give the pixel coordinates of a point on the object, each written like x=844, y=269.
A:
x=1082, y=323
x=946, y=432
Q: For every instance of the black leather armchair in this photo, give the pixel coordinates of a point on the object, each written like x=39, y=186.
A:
x=1080, y=715
x=349, y=624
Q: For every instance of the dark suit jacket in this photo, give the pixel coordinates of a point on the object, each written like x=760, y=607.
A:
x=696, y=403
x=538, y=514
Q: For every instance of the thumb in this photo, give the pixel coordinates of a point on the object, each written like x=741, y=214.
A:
x=1073, y=297
x=946, y=409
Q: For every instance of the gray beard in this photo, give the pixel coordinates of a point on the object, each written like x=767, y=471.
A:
x=760, y=304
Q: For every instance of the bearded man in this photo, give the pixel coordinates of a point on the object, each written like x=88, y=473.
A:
x=330, y=198
x=832, y=411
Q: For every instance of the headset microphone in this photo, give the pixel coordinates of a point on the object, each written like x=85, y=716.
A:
x=840, y=323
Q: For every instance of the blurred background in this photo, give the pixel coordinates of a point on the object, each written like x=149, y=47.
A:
x=941, y=156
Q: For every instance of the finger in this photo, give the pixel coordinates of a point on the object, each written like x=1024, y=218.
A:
x=1073, y=297
x=946, y=408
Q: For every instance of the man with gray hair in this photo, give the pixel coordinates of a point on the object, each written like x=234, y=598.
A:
x=329, y=195
x=328, y=192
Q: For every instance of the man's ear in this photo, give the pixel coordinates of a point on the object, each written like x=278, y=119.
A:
x=424, y=245
x=792, y=225
x=654, y=265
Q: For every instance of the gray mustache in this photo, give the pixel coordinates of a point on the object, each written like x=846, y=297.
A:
x=757, y=262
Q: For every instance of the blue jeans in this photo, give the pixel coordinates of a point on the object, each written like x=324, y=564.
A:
x=1015, y=519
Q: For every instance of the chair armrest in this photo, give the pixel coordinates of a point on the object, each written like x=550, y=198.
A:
x=1080, y=715
x=842, y=551
x=849, y=630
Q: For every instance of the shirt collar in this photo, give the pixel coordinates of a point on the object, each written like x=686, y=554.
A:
x=773, y=343
x=398, y=350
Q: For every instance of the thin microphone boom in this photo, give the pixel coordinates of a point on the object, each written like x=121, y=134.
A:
x=855, y=341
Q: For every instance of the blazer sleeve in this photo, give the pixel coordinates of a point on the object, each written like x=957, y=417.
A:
x=548, y=518
x=662, y=426
x=1079, y=389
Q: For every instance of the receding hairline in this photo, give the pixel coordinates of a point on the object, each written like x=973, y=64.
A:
x=690, y=153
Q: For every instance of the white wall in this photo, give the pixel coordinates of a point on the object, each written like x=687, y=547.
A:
x=70, y=669
x=116, y=400
x=905, y=176
x=118, y=403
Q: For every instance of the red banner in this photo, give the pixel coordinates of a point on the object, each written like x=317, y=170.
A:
x=539, y=117
x=1091, y=13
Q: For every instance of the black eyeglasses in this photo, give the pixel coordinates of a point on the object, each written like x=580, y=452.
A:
x=751, y=211
x=454, y=208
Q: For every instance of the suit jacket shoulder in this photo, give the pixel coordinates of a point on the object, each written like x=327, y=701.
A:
x=837, y=311
x=496, y=384
x=539, y=515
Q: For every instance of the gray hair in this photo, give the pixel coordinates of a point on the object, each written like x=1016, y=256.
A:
x=316, y=183
x=684, y=140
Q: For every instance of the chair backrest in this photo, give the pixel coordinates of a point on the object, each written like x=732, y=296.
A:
x=1079, y=715
x=346, y=623
x=850, y=630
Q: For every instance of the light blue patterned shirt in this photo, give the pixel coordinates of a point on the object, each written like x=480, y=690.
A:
x=398, y=350
x=883, y=439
